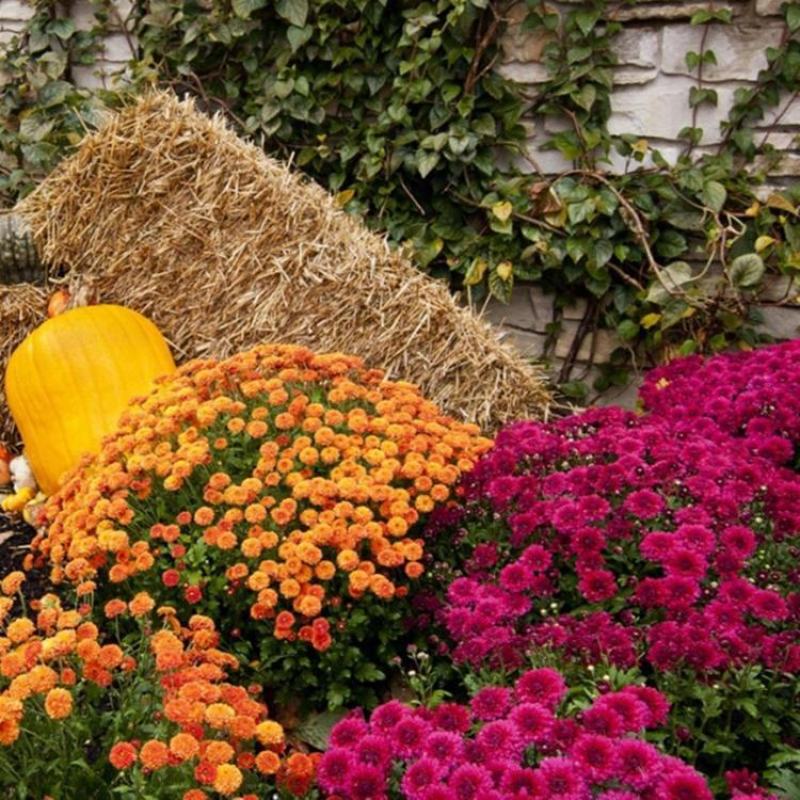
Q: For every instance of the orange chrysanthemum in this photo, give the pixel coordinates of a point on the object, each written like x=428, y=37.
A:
x=58, y=703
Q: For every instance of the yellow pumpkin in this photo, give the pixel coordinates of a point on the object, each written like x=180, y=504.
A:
x=70, y=379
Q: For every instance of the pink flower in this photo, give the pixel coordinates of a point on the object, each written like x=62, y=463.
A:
x=544, y=685
x=491, y=702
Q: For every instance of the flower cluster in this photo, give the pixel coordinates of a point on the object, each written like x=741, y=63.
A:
x=45, y=657
x=277, y=485
x=218, y=735
x=603, y=534
x=510, y=744
x=752, y=395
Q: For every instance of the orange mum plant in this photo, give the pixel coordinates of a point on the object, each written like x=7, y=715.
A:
x=152, y=715
x=279, y=491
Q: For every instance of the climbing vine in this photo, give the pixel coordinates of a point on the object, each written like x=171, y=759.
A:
x=398, y=109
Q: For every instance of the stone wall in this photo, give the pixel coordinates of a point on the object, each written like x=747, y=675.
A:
x=652, y=81
x=117, y=46
x=650, y=100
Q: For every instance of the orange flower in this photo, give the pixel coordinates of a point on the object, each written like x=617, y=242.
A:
x=414, y=569
x=228, y=779
x=267, y=762
x=219, y=715
x=113, y=608
x=154, y=755
x=58, y=703
x=184, y=746
x=122, y=755
x=20, y=630
x=269, y=733
x=12, y=582
x=218, y=752
x=141, y=604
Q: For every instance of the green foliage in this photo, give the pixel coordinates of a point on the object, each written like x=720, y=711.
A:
x=44, y=113
x=396, y=108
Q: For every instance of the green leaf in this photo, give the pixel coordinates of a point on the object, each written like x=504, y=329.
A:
x=586, y=97
x=793, y=16
x=316, y=728
x=627, y=330
x=426, y=161
x=297, y=37
x=746, y=271
x=586, y=20
x=63, y=28
x=714, y=195
x=476, y=271
x=574, y=390
x=673, y=278
x=293, y=11
x=34, y=129
x=244, y=8
x=499, y=288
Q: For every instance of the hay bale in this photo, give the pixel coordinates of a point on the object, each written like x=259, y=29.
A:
x=167, y=211
x=23, y=306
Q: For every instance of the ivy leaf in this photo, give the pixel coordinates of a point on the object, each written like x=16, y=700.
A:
x=505, y=270
x=499, y=288
x=763, y=242
x=34, y=129
x=714, y=195
x=476, y=271
x=426, y=161
x=63, y=28
x=793, y=16
x=293, y=11
x=627, y=330
x=778, y=201
x=649, y=320
x=746, y=271
x=502, y=210
x=586, y=20
x=244, y=8
x=586, y=97
x=298, y=36
x=673, y=277
x=602, y=252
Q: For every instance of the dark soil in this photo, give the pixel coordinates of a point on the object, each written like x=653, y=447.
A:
x=15, y=539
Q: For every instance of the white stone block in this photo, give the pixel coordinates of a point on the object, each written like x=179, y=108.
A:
x=634, y=76
x=529, y=73
x=519, y=45
x=15, y=10
x=89, y=77
x=782, y=322
x=661, y=11
x=780, y=140
x=638, y=46
x=788, y=166
x=660, y=109
x=527, y=344
x=117, y=48
x=740, y=49
x=788, y=109
x=548, y=162
x=769, y=8
x=598, y=345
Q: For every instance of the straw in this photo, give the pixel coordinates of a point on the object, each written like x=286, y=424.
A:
x=167, y=211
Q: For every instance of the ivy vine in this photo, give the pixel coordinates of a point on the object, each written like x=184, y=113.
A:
x=398, y=109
